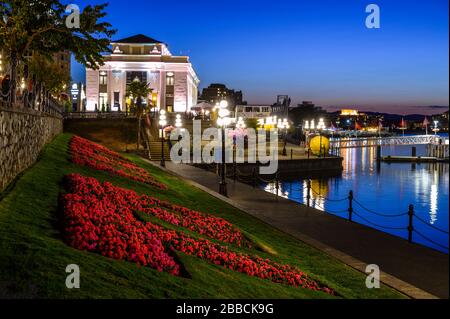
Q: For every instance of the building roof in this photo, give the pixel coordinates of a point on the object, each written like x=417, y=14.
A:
x=138, y=39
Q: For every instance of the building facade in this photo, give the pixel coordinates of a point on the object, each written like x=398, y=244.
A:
x=172, y=79
x=217, y=92
x=60, y=59
x=253, y=111
x=280, y=109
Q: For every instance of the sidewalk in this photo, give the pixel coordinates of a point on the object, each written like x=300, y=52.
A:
x=404, y=266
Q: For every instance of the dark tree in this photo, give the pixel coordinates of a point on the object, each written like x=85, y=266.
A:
x=28, y=26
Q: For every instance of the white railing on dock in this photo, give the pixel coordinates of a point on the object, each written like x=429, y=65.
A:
x=382, y=141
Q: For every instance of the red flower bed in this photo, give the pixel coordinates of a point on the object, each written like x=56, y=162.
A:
x=203, y=224
x=250, y=265
x=93, y=222
x=99, y=218
x=87, y=153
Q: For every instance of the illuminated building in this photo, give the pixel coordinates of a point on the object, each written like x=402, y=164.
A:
x=349, y=112
x=172, y=79
x=352, y=119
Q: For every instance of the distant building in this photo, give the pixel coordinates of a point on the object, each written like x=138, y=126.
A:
x=217, y=92
x=351, y=119
x=172, y=78
x=306, y=104
x=253, y=111
x=442, y=120
x=306, y=111
x=349, y=112
x=60, y=59
x=281, y=107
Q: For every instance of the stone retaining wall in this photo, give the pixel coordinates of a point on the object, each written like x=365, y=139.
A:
x=23, y=134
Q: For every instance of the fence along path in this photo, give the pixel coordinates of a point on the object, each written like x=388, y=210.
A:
x=394, y=256
x=354, y=207
x=394, y=140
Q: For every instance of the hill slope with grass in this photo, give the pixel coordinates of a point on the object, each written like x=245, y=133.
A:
x=34, y=255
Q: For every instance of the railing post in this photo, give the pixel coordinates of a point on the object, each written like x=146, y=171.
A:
x=378, y=153
x=234, y=169
x=277, y=184
x=292, y=151
x=410, y=223
x=308, y=193
x=350, y=205
x=254, y=177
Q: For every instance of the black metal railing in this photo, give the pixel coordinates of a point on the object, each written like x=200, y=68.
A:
x=43, y=103
x=353, y=208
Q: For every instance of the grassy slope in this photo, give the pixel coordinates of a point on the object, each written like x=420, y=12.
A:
x=33, y=257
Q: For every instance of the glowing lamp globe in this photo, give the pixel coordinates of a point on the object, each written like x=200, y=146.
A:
x=224, y=113
x=223, y=104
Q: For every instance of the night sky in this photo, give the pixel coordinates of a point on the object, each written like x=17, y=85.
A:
x=315, y=50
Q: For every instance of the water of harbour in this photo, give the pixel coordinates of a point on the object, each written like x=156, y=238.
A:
x=384, y=190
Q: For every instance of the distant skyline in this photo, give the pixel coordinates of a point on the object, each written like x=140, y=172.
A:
x=310, y=50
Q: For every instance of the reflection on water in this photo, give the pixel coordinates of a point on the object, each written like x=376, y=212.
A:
x=383, y=188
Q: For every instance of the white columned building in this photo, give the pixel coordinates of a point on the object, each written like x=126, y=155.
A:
x=172, y=78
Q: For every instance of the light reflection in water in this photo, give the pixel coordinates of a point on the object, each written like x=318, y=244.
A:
x=387, y=188
x=433, y=204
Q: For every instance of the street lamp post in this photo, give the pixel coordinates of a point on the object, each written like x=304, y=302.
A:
x=222, y=121
x=240, y=124
x=240, y=127
x=162, y=124
x=306, y=132
x=320, y=127
x=284, y=125
x=178, y=123
x=435, y=127
x=179, y=126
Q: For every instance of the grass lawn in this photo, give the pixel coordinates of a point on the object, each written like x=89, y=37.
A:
x=33, y=256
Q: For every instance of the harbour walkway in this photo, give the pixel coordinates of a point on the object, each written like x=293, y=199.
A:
x=417, y=271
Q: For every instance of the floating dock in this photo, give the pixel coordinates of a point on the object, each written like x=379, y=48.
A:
x=413, y=159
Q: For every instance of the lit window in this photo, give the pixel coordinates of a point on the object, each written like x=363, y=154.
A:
x=170, y=80
x=103, y=78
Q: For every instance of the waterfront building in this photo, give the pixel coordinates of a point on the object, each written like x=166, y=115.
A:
x=172, y=79
x=442, y=121
x=217, y=92
x=307, y=111
x=352, y=119
x=281, y=107
x=253, y=111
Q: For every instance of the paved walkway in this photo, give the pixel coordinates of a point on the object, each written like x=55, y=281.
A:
x=357, y=245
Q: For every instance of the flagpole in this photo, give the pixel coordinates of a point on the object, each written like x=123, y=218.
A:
x=403, y=126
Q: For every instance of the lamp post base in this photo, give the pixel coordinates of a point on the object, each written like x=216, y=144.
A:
x=223, y=189
x=163, y=160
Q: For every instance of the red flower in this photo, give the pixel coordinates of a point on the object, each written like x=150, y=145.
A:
x=100, y=218
x=87, y=153
x=92, y=222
